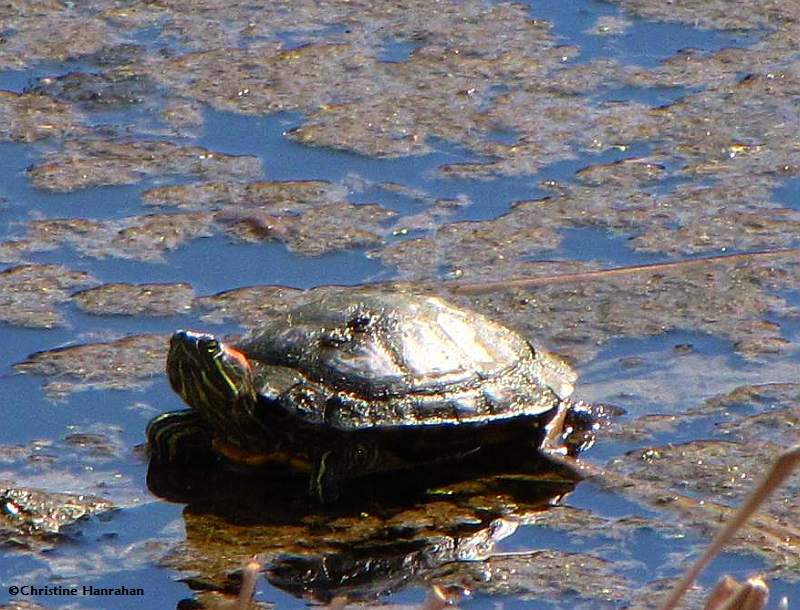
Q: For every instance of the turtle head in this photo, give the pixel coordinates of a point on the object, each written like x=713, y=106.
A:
x=209, y=375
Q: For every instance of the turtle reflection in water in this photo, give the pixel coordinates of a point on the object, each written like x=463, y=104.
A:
x=354, y=384
x=445, y=537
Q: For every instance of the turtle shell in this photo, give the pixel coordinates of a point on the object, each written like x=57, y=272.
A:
x=369, y=359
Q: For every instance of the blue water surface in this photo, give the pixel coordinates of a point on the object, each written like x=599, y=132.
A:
x=216, y=264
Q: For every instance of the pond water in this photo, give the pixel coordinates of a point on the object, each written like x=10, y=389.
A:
x=597, y=166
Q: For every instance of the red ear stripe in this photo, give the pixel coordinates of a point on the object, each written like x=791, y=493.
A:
x=235, y=353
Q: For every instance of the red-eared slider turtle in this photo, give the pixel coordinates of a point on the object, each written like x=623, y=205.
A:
x=356, y=383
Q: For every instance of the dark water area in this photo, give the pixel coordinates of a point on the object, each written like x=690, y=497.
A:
x=687, y=382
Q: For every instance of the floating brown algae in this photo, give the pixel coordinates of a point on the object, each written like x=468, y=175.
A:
x=706, y=142
x=85, y=163
x=749, y=14
x=139, y=237
x=25, y=117
x=44, y=30
x=136, y=299
x=250, y=306
x=474, y=245
x=317, y=231
x=263, y=78
x=33, y=513
x=30, y=294
x=625, y=174
x=120, y=364
x=730, y=298
x=545, y=574
x=277, y=197
x=700, y=480
x=112, y=88
x=776, y=421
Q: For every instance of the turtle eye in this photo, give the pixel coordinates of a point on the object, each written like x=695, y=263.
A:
x=210, y=346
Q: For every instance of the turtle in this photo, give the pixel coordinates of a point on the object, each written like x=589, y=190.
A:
x=362, y=382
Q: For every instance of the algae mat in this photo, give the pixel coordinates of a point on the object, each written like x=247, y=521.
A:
x=616, y=181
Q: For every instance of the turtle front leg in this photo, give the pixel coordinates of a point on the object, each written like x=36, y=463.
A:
x=179, y=437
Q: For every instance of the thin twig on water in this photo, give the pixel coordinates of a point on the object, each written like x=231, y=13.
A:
x=532, y=282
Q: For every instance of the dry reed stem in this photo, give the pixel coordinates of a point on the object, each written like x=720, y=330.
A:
x=784, y=466
x=532, y=282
